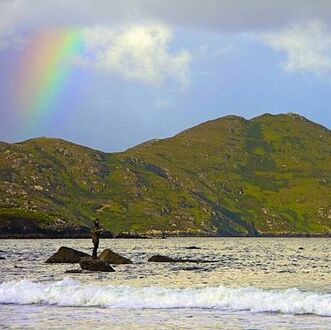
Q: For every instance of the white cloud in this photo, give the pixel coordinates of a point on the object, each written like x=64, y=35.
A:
x=138, y=52
x=307, y=47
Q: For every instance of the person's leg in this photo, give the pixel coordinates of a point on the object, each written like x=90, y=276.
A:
x=95, y=249
x=94, y=254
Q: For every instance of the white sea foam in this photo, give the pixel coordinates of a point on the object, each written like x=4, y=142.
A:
x=73, y=293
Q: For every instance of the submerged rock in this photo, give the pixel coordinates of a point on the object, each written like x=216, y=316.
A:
x=110, y=257
x=73, y=271
x=160, y=258
x=67, y=255
x=95, y=265
x=193, y=268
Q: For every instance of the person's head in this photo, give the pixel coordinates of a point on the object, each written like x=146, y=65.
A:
x=96, y=221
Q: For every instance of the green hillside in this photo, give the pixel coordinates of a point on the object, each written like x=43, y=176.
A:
x=229, y=176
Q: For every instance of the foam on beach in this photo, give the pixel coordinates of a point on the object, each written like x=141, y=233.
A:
x=73, y=293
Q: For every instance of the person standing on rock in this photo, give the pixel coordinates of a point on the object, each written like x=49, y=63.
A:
x=95, y=233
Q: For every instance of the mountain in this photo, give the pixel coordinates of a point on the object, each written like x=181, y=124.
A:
x=270, y=175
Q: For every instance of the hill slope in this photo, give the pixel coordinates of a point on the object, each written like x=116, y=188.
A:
x=229, y=176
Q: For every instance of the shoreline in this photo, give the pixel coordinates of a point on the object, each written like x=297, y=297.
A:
x=147, y=236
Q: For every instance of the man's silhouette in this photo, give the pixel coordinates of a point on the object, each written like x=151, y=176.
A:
x=95, y=233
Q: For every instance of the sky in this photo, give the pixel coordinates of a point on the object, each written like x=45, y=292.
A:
x=111, y=74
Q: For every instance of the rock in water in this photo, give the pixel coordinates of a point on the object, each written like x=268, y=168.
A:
x=110, y=257
x=73, y=271
x=159, y=258
x=193, y=268
x=67, y=255
x=95, y=265
x=2, y=258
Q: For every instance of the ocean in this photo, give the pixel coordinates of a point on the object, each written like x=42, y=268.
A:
x=251, y=283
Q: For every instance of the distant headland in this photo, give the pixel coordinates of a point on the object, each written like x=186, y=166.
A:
x=267, y=176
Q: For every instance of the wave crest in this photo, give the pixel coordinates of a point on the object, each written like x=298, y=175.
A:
x=73, y=293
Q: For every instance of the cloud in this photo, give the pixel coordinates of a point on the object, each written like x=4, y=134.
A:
x=11, y=19
x=20, y=16
x=119, y=52
x=138, y=52
x=307, y=47
x=234, y=15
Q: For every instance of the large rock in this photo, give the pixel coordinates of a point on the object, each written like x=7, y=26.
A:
x=110, y=257
x=95, y=265
x=160, y=258
x=67, y=255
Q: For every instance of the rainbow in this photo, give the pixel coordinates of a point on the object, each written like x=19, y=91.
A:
x=48, y=62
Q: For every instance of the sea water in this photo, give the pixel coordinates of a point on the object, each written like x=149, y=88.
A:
x=250, y=283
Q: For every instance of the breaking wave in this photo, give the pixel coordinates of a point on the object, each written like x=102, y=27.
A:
x=73, y=293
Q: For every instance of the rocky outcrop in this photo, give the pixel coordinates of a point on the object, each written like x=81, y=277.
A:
x=110, y=257
x=95, y=265
x=67, y=255
x=160, y=258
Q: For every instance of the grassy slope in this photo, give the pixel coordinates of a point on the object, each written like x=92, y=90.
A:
x=225, y=176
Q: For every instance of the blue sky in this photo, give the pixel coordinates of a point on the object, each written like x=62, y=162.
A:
x=152, y=74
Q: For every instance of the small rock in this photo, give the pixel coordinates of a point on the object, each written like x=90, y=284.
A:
x=95, y=265
x=73, y=271
x=193, y=248
x=159, y=258
x=192, y=268
x=67, y=255
x=110, y=257
x=2, y=258
x=300, y=248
